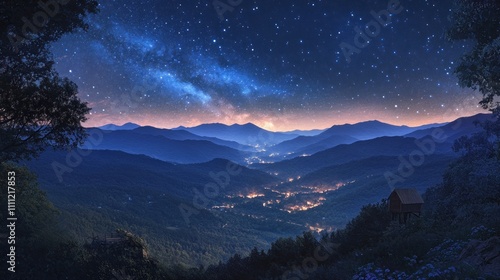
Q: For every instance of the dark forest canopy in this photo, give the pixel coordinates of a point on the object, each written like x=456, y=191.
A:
x=479, y=69
x=37, y=107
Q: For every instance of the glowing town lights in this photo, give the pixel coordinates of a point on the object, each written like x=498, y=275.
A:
x=308, y=205
x=223, y=206
x=316, y=229
x=254, y=195
x=288, y=194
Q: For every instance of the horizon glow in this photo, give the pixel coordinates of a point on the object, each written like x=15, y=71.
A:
x=278, y=65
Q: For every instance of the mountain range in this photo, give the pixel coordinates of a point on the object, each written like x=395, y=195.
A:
x=247, y=134
x=387, y=146
x=186, y=135
x=343, y=134
x=114, y=189
x=457, y=128
x=126, y=126
x=156, y=145
x=142, y=178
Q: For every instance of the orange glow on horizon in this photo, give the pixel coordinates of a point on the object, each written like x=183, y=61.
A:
x=285, y=122
x=291, y=119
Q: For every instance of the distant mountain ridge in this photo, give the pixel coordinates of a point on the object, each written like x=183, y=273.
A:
x=186, y=135
x=160, y=147
x=209, y=141
x=247, y=134
x=251, y=134
x=457, y=128
x=311, y=132
x=113, y=189
x=343, y=134
x=127, y=126
x=310, y=144
x=382, y=146
x=371, y=129
x=140, y=178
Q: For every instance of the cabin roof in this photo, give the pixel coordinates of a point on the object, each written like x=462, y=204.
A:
x=409, y=196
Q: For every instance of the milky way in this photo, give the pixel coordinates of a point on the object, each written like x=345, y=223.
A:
x=278, y=64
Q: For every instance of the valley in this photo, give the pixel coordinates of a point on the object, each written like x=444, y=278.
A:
x=200, y=140
x=138, y=178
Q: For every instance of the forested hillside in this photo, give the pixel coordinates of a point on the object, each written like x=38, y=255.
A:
x=459, y=218
x=234, y=196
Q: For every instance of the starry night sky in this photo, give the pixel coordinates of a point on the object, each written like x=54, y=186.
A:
x=277, y=64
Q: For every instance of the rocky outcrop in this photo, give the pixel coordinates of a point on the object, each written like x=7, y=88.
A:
x=483, y=255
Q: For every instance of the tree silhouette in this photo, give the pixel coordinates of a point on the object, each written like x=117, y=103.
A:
x=479, y=69
x=37, y=107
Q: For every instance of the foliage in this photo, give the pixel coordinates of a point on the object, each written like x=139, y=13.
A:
x=142, y=195
x=37, y=107
x=124, y=259
x=366, y=229
x=470, y=185
x=32, y=207
x=479, y=69
x=461, y=208
x=36, y=229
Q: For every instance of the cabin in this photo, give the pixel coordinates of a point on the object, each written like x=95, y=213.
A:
x=405, y=202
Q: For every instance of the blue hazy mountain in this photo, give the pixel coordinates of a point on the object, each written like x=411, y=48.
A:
x=457, y=128
x=329, y=142
x=160, y=147
x=309, y=144
x=130, y=189
x=103, y=167
x=311, y=132
x=370, y=129
x=387, y=146
x=127, y=126
x=247, y=134
x=186, y=135
x=342, y=134
x=113, y=189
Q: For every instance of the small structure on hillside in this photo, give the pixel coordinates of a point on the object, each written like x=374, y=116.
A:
x=405, y=202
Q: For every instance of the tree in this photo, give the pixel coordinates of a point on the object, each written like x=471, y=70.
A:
x=37, y=107
x=126, y=258
x=32, y=207
x=366, y=229
x=35, y=221
x=479, y=69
